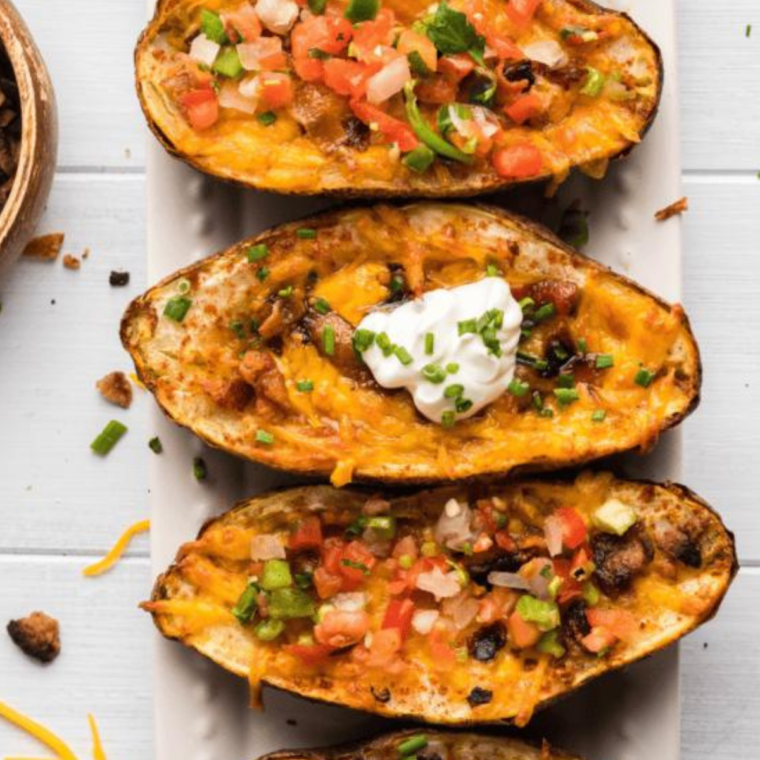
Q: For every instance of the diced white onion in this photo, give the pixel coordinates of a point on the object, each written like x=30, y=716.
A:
x=485, y=120
x=453, y=527
x=389, y=80
x=462, y=610
x=508, y=580
x=350, y=601
x=553, y=534
x=548, y=52
x=277, y=15
x=249, y=88
x=441, y=585
x=265, y=547
x=231, y=97
x=424, y=620
x=204, y=50
x=251, y=53
x=539, y=583
x=463, y=126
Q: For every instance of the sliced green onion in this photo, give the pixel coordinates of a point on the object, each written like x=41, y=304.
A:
x=384, y=344
x=267, y=118
x=467, y=326
x=434, y=373
x=518, y=388
x=397, y=283
x=183, y=286
x=452, y=368
x=247, y=604
x=362, y=10
x=384, y=526
x=108, y=438
x=199, y=469
x=176, y=308
x=322, y=306
x=582, y=345
x=462, y=405
x=429, y=343
x=262, y=274
x=594, y=83
x=453, y=391
x=155, y=445
x=306, y=233
x=599, y=415
x=305, y=386
x=644, y=377
x=412, y=745
x=328, y=340
x=527, y=303
x=420, y=159
x=492, y=270
x=566, y=381
x=403, y=356
x=566, y=396
x=285, y=292
x=546, y=412
x=317, y=7
x=544, y=312
x=264, y=436
x=257, y=252
x=605, y=361
x=448, y=419
x=269, y=629
x=362, y=340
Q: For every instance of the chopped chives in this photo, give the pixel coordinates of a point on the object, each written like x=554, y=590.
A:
x=566, y=396
x=518, y=388
x=644, y=377
x=238, y=328
x=363, y=339
x=257, y=252
x=384, y=344
x=582, y=345
x=452, y=368
x=544, y=312
x=429, y=343
x=176, y=308
x=264, y=436
x=546, y=412
x=538, y=400
x=434, y=373
x=462, y=405
x=528, y=360
x=199, y=469
x=254, y=325
x=108, y=438
x=448, y=418
x=467, y=326
x=492, y=270
x=183, y=286
x=397, y=283
x=267, y=118
x=262, y=274
x=526, y=303
x=748, y=31
x=155, y=445
x=605, y=361
x=306, y=233
x=322, y=306
x=453, y=391
x=328, y=340
x=412, y=745
x=305, y=386
x=599, y=415
x=285, y=292
x=566, y=381
x=403, y=356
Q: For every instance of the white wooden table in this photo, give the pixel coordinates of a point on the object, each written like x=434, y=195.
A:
x=60, y=506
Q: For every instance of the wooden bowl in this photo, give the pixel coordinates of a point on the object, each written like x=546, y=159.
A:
x=39, y=137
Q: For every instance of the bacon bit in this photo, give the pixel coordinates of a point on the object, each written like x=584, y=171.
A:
x=45, y=247
x=37, y=636
x=86, y=254
x=71, y=262
x=674, y=209
x=113, y=556
x=116, y=389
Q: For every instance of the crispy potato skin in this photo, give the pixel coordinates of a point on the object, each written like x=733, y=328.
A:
x=367, y=460
x=407, y=184
x=672, y=608
x=386, y=748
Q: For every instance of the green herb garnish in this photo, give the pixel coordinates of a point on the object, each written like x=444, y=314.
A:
x=108, y=438
x=264, y=436
x=257, y=252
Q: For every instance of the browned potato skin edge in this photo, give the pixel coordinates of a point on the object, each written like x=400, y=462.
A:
x=680, y=491
x=394, y=739
x=378, y=193
x=540, y=232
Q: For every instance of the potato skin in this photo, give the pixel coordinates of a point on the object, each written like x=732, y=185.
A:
x=652, y=501
x=551, y=257
x=413, y=185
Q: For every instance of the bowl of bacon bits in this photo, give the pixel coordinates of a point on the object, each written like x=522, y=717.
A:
x=28, y=134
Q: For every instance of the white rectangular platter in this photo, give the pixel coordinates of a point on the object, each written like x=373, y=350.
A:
x=201, y=713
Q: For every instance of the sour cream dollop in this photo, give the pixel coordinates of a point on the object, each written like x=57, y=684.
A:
x=475, y=329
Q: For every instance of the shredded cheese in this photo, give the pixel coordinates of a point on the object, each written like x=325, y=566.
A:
x=98, y=753
x=48, y=738
x=105, y=564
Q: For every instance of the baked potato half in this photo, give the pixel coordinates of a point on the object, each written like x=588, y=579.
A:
x=460, y=605
x=359, y=97
x=430, y=745
x=236, y=348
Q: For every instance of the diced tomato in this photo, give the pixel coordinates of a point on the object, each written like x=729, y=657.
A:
x=201, y=108
x=332, y=552
x=327, y=584
x=456, y=67
x=399, y=615
x=570, y=588
x=497, y=605
x=518, y=161
x=521, y=633
x=308, y=534
x=274, y=62
x=521, y=11
x=330, y=34
x=309, y=654
x=620, y=623
x=410, y=41
x=342, y=628
x=348, y=77
x=438, y=90
x=309, y=69
x=394, y=130
x=406, y=547
x=356, y=561
x=370, y=35
x=242, y=24
x=581, y=561
x=276, y=89
x=505, y=541
x=574, y=531
x=524, y=108
x=384, y=648
x=598, y=640
x=424, y=565
x=482, y=544
x=440, y=649
x=504, y=48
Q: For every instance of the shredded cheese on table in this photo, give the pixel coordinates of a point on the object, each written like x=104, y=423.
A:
x=105, y=564
x=98, y=753
x=42, y=734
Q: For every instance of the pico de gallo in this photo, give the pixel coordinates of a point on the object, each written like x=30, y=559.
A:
x=468, y=83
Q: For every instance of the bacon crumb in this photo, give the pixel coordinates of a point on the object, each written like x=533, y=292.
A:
x=45, y=247
x=674, y=209
x=71, y=262
x=37, y=636
x=115, y=387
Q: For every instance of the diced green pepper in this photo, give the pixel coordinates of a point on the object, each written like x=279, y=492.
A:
x=176, y=308
x=276, y=575
x=420, y=159
x=384, y=526
x=412, y=745
x=550, y=644
x=615, y=517
x=287, y=603
x=247, y=604
x=590, y=593
x=269, y=630
x=228, y=63
x=213, y=26
x=544, y=614
x=594, y=83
